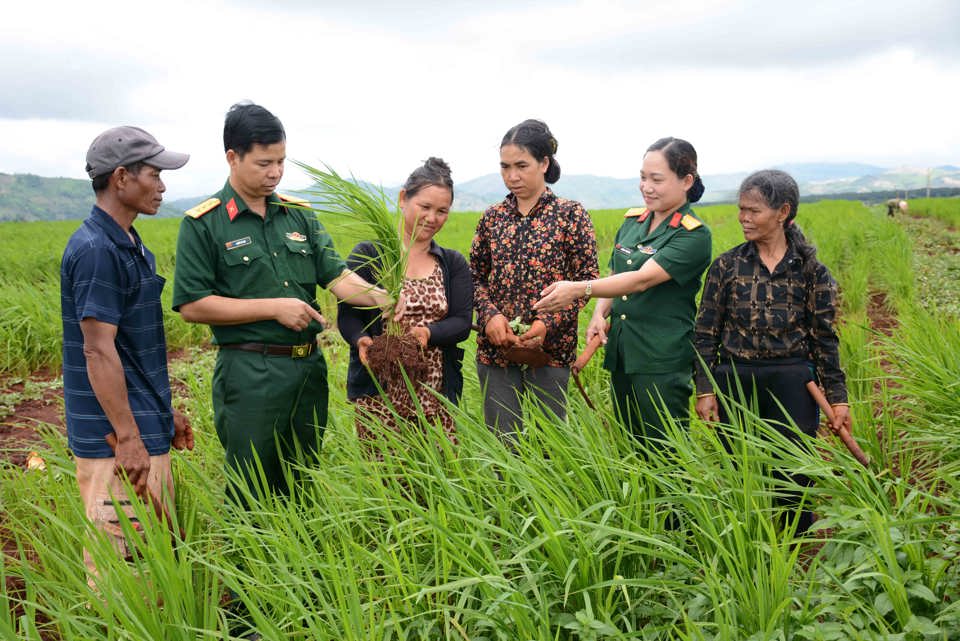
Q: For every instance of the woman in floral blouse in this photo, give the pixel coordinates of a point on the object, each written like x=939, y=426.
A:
x=531, y=239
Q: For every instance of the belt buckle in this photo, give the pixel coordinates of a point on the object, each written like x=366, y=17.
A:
x=300, y=351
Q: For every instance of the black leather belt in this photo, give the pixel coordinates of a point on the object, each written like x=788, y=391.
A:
x=292, y=351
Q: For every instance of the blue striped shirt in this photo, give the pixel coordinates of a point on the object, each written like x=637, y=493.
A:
x=109, y=277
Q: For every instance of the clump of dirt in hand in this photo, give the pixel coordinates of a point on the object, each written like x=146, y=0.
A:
x=388, y=354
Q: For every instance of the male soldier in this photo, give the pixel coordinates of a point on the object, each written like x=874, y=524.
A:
x=248, y=264
x=115, y=381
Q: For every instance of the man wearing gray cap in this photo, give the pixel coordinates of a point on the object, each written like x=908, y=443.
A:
x=119, y=415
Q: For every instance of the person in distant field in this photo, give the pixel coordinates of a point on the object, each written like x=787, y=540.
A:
x=893, y=205
x=115, y=381
x=438, y=293
x=248, y=264
x=657, y=263
x=767, y=321
x=521, y=245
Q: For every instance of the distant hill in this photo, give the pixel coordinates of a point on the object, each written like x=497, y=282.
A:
x=29, y=197
x=25, y=197
x=815, y=179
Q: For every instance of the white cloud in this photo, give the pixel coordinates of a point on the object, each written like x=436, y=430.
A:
x=374, y=90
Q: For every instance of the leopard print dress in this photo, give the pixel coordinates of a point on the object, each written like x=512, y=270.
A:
x=426, y=303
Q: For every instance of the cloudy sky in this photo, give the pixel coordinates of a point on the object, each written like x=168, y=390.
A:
x=374, y=87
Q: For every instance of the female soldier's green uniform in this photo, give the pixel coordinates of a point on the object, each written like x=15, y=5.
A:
x=269, y=382
x=649, y=350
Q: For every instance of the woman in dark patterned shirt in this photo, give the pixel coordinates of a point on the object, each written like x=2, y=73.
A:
x=766, y=319
x=531, y=239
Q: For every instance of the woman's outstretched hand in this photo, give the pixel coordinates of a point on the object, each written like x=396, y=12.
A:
x=559, y=296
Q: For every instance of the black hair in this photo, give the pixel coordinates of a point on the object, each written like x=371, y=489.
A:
x=535, y=137
x=247, y=125
x=434, y=172
x=101, y=182
x=682, y=160
x=778, y=188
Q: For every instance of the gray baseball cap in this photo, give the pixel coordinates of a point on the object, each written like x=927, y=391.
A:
x=123, y=146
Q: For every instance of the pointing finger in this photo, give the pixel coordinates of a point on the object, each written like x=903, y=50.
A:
x=315, y=315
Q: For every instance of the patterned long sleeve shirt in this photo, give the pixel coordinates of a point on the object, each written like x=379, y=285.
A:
x=514, y=257
x=747, y=313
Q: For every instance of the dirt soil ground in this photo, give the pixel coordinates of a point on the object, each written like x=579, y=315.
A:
x=18, y=428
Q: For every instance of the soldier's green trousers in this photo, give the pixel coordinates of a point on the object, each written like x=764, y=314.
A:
x=641, y=399
x=274, y=406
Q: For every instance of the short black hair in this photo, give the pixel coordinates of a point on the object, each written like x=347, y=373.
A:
x=535, y=137
x=101, y=182
x=247, y=125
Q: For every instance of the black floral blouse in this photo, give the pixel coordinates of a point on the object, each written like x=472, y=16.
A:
x=514, y=257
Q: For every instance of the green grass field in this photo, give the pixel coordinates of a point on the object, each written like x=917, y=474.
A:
x=566, y=539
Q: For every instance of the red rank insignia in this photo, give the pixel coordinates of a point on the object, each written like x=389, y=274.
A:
x=232, y=209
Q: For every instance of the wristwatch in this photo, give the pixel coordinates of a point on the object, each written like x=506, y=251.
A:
x=588, y=290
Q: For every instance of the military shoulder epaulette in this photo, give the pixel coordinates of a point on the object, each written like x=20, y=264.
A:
x=689, y=222
x=293, y=200
x=635, y=211
x=203, y=208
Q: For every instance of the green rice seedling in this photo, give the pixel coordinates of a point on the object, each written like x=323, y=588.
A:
x=945, y=209
x=371, y=214
x=926, y=356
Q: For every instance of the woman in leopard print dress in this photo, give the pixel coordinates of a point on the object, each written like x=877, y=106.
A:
x=439, y=294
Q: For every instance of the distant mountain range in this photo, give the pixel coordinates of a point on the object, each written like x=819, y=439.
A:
x=29, y=197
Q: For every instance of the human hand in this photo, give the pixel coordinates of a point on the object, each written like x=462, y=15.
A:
x=707, y=408
x=363, y=348
x=498, y=332
x=597, y=327
x=534, y=336
x=841, y=419
x=295, y=314
x=393, y=312
x=559, y=296
x=131, y=459
x=422, y=334
x=182, y=432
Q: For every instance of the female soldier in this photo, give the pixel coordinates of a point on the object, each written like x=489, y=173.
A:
x=439, y=307
x=766, y=321
x=530, y=239
x=660, y=254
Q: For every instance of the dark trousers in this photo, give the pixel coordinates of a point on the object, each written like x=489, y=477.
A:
x=641, y=399
x=503, y=391
x=274, y=406
x=779, y=388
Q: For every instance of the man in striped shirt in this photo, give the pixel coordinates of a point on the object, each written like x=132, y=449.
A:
x=120, y=421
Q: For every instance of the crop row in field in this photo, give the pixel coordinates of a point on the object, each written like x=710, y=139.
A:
x=577, y=535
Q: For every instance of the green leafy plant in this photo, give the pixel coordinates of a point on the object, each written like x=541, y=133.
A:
x=517, y=326
x=371, y=212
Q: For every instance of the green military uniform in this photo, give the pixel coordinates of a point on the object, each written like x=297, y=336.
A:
x=268, y=402
x=649, y=347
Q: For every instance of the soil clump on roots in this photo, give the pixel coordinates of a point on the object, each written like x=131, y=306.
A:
x=390, y=356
